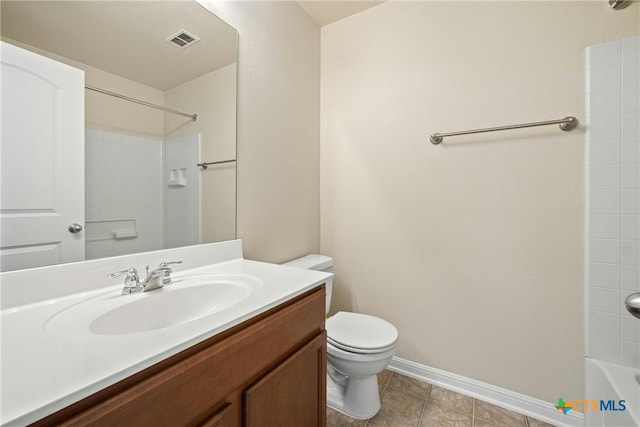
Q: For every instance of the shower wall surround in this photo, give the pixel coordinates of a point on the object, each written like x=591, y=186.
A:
x=182, y=191
x=145, y=190
x=612, y=228
x=123, y=184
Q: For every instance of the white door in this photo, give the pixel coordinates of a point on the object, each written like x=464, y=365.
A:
x=41, y=160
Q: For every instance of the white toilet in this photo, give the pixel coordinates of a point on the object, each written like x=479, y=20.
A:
x=359, y=347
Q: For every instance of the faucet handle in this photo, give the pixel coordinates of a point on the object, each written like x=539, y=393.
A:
x=131, y=280
x=166, y=271
x=132, y=275
x=166, y=264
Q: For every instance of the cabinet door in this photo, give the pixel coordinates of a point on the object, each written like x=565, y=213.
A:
x=220, y=418
x=293, y=394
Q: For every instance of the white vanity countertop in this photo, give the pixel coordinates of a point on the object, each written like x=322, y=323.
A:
x=44, y=371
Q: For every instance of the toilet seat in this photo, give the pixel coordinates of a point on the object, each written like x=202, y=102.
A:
x=357, y=350
x=361, y=358
x=360, y=333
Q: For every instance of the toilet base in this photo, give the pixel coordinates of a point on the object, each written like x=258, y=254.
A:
x=355, y=397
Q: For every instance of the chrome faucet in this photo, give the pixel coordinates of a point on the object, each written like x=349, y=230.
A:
x=155, y=279
x=132, y=285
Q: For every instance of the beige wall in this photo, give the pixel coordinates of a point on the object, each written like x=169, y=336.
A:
x=278, y=127
x=113, y=114
x=474, y=248
x=213, y=97
x=117, y=115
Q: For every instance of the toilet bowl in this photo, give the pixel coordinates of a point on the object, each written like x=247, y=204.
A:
x=359, y=346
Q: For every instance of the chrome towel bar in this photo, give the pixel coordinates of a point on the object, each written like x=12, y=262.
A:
x=205, y=164
x=566, y=124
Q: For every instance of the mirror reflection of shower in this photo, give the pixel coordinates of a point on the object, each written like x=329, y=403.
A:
x=143, y=188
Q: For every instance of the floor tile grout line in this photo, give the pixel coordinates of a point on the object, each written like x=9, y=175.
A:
x=424, y=408
x=406, y=392
x=473, y=413
x=419, y=423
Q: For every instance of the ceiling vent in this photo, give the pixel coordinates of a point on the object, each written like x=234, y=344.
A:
x=183, y=39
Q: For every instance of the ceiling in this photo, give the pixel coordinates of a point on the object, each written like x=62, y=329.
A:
x=327, y=11
x=124, y=37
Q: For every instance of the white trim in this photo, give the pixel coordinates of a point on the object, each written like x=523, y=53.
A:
x=526, y=405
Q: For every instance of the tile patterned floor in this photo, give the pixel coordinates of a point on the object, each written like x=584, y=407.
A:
x=407, y=402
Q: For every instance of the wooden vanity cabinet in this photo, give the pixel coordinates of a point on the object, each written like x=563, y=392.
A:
x=268, y=371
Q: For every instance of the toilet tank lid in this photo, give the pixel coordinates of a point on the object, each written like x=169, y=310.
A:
x=311, y=262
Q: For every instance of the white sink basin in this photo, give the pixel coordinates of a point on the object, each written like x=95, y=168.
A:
x=187, y=299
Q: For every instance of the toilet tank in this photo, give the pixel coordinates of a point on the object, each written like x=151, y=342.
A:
x=319, y=263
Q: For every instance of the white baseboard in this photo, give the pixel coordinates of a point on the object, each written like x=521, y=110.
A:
x=526, y=405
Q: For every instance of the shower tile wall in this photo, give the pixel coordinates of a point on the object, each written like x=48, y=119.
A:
x=182, y=200
x=123, y=176
x=613, y=200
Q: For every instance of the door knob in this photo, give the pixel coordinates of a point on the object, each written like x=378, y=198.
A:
x=74, y=228
x=633, y=304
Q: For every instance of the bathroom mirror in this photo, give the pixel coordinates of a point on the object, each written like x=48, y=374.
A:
x=143, y=188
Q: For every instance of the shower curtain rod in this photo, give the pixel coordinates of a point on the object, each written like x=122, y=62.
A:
x=566, y=124
x=137, y=101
